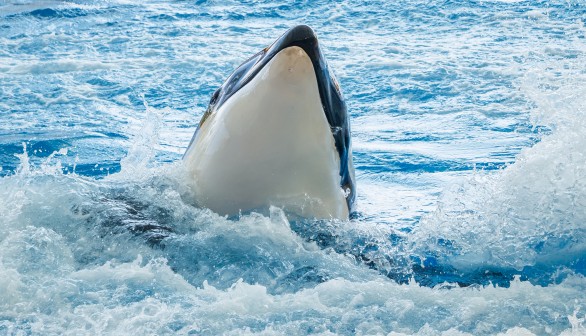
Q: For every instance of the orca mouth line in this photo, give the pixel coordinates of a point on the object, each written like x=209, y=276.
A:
x=300, y=36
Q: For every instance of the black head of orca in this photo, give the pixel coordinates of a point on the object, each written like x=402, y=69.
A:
x=331, y=98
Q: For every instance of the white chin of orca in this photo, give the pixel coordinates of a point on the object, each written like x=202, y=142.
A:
x=270, y=144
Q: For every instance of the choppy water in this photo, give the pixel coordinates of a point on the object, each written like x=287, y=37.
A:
x=469, y=134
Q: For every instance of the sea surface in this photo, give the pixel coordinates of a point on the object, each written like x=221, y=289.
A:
x=469, y=139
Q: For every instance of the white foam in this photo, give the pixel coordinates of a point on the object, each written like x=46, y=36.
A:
x=149, y=297
x=534, y=211
x=48, y=286
x=53, y=67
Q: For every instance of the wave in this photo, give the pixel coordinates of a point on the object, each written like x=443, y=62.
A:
x=530, y=216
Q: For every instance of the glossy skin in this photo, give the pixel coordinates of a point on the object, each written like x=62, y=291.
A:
x=276, y=133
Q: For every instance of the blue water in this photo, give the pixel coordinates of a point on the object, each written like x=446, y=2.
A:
x=468, y=121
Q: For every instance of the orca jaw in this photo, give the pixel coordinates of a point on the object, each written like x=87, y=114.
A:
x=273, y=66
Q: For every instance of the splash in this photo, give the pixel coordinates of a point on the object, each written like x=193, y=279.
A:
x=530, y=215
x=141, y=296
x=141, y=153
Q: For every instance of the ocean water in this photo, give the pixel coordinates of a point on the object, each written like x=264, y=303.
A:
x=469, y=140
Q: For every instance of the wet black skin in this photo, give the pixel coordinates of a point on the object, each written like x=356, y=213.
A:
x=331, y=98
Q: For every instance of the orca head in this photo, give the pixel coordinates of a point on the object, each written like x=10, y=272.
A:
x=282, y=79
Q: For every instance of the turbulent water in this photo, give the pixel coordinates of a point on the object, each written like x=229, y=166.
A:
x=469, y=140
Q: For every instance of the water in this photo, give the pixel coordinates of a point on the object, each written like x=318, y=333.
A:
x=468, y=134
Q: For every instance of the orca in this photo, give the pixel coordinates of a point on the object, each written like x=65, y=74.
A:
x=276, y=133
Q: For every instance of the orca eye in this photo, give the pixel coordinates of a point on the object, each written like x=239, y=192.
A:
x=347, y=192
x=215, y=96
